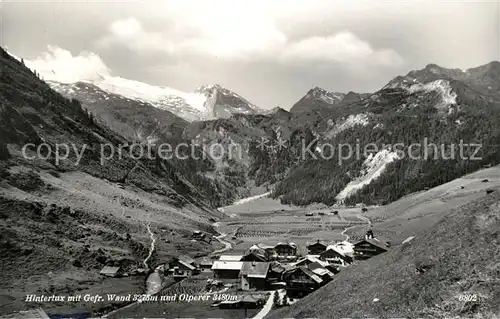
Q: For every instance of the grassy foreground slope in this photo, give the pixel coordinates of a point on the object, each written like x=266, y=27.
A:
x=461, y=253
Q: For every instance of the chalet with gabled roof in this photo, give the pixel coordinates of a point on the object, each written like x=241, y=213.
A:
x=309, y=259
x=227, y=269
x=206, y=264
x=345, y=247
x=301, y=281
x=321, y=271
x=368, y=248
x=183, y=267
x=316, y=247
x=276, y=271
x=254, y=275
x=333, y=255
x=286, y=251
x=110, y=271
x=262, y=250
x=254, y=256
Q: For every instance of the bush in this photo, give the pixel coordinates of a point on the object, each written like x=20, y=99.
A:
x=26, y=181
x=55, y=173
x=4, y=151
x=276, y=298
x=4, y=173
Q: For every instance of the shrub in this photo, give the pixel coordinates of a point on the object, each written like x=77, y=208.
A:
x=55, y=173
x=4, y=151
x=26, y=181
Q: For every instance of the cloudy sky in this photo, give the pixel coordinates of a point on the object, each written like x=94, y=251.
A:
x=271, y=52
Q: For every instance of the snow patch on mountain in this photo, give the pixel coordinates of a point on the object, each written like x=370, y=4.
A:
x=202, y=104
x=352, y=120
x=443, y=87
x=447, y=97
x=373, y=167
x=190, y=106
x=325, y=95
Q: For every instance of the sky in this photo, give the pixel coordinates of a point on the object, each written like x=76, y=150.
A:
x=270, y=52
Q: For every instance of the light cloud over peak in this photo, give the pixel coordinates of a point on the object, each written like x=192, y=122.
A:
x=60, y=65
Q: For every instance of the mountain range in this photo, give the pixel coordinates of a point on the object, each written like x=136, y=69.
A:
x=204, y=103
x=436, y=104
x=62, y=213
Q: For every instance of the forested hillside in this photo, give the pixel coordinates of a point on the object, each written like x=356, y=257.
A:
x=441, y=116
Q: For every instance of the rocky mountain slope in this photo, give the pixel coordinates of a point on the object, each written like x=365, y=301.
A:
x=318, y=99
x=65, y=217
x=134, y=119
x=206, y=102
x=403, y=138
x=141, y=122
x=433, y=109
x=434, y=106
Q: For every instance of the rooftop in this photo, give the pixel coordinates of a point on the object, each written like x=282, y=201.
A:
x=186, y=264
x=311, y=259
x=186, y=259
x=319, y=270
x=375, y=241
x=311, y=274
x=316, y=242
x=286, y=244
x=336, y=249
x=230, y=257
x=206, y=261
x=106, y=270
x=255, y=269
x=227, y=265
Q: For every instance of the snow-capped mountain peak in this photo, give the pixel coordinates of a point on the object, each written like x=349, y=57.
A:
x=326, y=96
x=204, y=103
x=209, y=88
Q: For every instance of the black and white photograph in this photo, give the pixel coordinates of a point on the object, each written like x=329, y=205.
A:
x=175, y=159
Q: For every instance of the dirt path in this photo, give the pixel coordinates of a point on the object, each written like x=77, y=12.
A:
x=267, y=307
x=227, y=245
x=368, y=223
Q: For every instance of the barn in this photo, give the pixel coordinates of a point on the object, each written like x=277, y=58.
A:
x=316, y=247
x=110, y=271
x=334, y=256
x=227, y=269
x=286, y=250
x=254, y=275
x=301, y=281
x=368, y=248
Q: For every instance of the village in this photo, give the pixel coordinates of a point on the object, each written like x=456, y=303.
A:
x=280, y=272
